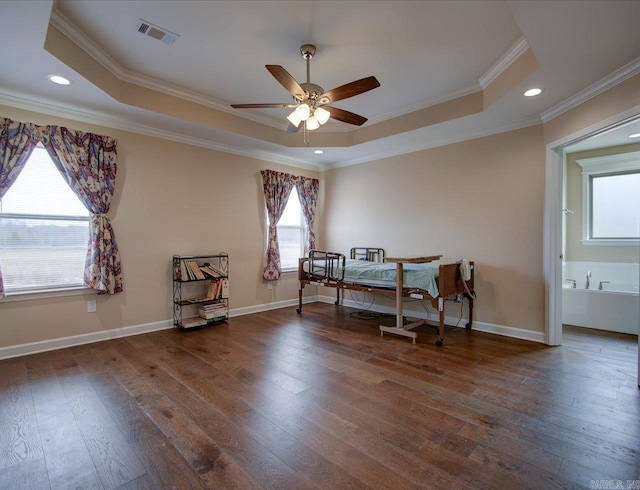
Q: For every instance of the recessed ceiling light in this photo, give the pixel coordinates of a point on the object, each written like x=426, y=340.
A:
x=532, y=92
x=634, y=135
x=318, y=152
x=59, y=80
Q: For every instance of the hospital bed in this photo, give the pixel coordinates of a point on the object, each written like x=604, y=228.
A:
x=368, y=270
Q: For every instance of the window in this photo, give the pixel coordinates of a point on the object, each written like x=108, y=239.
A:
x=292, y=232
x=615, y=206
x=44, y=230
x=610, y=199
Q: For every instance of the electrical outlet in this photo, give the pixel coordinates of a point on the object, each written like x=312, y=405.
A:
x=269, y=284
x=91, y=306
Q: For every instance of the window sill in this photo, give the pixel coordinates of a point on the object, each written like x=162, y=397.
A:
x=45, y=294
x=615, y=243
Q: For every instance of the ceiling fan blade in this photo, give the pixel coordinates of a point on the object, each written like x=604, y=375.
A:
x=287, y=81
x=294, y=129
x=350, y=89
x=346, y=116
x=260, y=106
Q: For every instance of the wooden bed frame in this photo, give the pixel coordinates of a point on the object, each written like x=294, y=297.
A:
x=330, y=273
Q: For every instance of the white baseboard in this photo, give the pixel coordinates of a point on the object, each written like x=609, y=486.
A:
x=53, y=344
x=61, y=343
x=516, y=333
x=271, y=306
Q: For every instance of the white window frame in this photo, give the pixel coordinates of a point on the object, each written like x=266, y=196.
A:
x=600, y=166
x=23, y=294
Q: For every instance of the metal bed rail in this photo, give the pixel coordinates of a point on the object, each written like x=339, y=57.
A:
x=328, y=266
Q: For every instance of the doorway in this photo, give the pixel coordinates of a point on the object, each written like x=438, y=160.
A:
x=603, y=134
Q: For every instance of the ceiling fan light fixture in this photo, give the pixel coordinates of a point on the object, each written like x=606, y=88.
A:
x=303, y=112
x=312, y=123
x=294, y=118
x=322, y=115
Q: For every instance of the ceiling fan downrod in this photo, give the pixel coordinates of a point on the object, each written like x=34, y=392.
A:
x=307, y=51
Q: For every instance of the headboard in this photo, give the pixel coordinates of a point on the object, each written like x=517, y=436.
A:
x=367, y=253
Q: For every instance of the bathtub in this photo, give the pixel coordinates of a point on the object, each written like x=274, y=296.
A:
x=615, y=307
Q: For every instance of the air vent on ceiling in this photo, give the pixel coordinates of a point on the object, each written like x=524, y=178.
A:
x=159, y=33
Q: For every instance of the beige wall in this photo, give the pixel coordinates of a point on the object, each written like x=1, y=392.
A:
x=169, y=198
x=575, y=250
x=481, y=199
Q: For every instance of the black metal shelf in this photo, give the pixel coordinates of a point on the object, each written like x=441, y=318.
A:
x=187, y=301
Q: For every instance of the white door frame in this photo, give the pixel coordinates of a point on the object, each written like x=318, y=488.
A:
x=552, y=233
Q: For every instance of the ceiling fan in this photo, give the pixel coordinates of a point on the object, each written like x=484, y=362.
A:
x=310, y=101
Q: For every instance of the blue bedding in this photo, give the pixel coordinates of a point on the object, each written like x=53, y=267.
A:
x=423, y=276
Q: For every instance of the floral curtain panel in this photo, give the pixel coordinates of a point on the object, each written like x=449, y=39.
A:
x=88, y=163
x=17, y=141
x=308, y=195
x=276, y=187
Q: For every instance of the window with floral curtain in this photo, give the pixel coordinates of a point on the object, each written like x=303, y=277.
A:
x=87, y=162
x=277, y=187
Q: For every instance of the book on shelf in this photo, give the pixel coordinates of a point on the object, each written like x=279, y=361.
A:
x=214, y=291
x=194, y=321
x=211, y=271
x=195, y=269
x=183, y=271
x=211, y=291
x=211, y=315
x=214, y=310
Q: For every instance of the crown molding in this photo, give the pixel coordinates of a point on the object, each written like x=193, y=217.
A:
x=620, y=75
x=106, y=120
x=502, y=64
x=619, y=161
x=512, y=54
x=109, y=121
x=432, y=101
x=433, y=143
x=60, y=22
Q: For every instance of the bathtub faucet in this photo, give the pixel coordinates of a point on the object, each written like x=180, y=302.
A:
x=601, y=283
x=588, y=277
x=573, y=281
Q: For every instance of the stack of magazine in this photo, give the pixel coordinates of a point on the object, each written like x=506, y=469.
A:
x=213, y=310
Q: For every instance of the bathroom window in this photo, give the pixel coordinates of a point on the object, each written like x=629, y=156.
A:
x=610, y=199
x=615, y=206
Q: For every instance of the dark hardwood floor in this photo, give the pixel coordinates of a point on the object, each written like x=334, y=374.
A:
x=320, y=400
